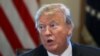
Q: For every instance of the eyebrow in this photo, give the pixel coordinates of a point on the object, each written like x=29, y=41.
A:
x=53, y=21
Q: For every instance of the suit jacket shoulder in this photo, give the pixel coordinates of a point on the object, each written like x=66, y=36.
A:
x=81, y=50
x=40, y=51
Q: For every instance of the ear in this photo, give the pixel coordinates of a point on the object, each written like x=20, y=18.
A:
x=70, y=30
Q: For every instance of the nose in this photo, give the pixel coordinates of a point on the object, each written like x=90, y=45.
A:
x=47, y=32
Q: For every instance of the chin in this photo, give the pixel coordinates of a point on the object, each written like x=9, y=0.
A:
x=52, y=48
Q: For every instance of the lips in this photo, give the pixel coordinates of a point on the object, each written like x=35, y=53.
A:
x=49, y=40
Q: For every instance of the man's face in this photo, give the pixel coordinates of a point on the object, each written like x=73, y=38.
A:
x=53, y=30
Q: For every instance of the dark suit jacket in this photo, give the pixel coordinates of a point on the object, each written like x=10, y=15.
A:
x=77, y=50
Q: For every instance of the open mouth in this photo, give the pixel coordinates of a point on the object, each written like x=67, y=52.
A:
x=49, y=41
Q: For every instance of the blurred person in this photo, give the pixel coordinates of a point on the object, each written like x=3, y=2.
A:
x=55, y=27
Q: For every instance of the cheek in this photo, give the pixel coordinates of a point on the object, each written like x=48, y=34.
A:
x=61, y=32
x=42, y=38
x=60, y=35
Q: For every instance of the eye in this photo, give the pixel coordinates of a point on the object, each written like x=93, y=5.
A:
x=53, y=25
x=41, y=27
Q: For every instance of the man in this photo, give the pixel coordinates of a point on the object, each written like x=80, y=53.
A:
x=55, y=27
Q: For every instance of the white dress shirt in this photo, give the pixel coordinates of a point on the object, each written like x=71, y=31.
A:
x=67, y=52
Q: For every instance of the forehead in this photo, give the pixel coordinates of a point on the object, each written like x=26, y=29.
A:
x=55, y=16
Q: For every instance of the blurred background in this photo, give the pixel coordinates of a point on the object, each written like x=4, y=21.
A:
x=17, y=29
